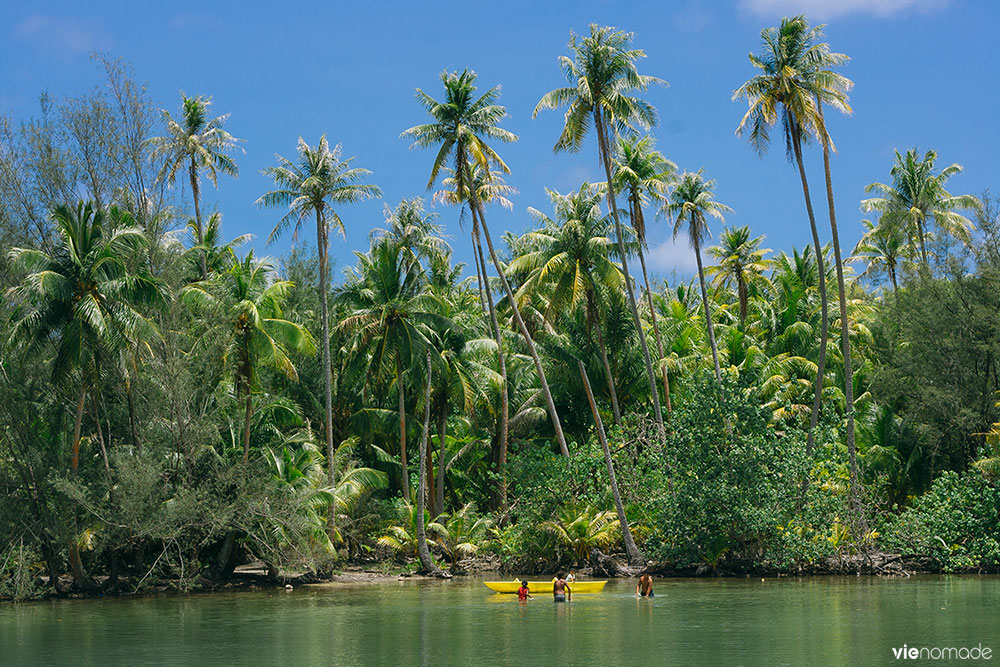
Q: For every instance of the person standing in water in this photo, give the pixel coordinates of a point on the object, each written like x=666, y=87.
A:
x=561, y=591
x=523, y=593
x=645, y=586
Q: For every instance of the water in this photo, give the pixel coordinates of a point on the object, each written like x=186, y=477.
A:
x=848, y=621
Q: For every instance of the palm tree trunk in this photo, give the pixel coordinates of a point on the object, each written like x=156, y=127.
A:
x=480, y=269
x=196, y=195
x=604, y=150
x=593, y=316
x=248, y=411
x=824, y=313
x=635, y=557
x=553, y=414
x=502, y=366
x=426, y=562
x=708, y=314
x=656, y=331
x=404, y=484
x=75, y=562
x=439, y=491
x=845, y=334
x=324, y=250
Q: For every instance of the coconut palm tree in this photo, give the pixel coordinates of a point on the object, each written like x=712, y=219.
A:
x=571, y=256
x=881, y=248
x=603, y=79
x=198, y=143
x=462, y=125
x=644, y=174
x=317, y=182
x=413, y=229
x=251, y=323
x=741, y=263
x=691, y=201
x=423, y=553
x=794, y=67
x=83, y=299
x=212, y=250
x=917, y=199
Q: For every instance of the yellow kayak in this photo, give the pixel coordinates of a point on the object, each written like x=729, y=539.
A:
x=545, y=587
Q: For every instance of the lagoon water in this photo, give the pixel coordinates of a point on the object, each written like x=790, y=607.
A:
x=821, y=620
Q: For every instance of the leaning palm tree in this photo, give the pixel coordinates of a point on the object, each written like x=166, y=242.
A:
x=644, y=174
x=917, y=197
x=319, y=180
x=570, y=257
x=198, y=143
x=462, y=125
x=603, y=79
x=251, y=324
x=794, y=68
x=691, y=201
x=83, y=299
x=741, y=264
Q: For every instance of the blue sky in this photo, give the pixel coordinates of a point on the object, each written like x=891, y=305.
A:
x=924, y=71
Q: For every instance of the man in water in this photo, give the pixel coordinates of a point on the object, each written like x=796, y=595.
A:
x=523, y=593
x=645, y=586
x=561, y=591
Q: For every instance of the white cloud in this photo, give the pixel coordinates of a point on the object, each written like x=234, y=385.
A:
x=63, y=35
x=823, y=10
x=673, y=255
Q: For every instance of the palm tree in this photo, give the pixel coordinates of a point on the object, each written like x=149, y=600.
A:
x=83, y=299
x=571, y=255
x=423, y=553
x=881, y=248
x=603, y=78
x=198, y=143
x=462, y=124
x=643, y=173
x=413, y=229
x=392, y=319
x=318, y=181
x=741, y=263
x=794, y=69
x=212, y=251
x=690, y=201
x=917, y=198
x=252, y=326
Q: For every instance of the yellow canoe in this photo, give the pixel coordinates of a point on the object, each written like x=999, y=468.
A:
x=545, y=587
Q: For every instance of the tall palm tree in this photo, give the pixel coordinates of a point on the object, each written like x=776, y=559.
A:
x=423, y=553
x=212, y=250
x=313, y=185
x=917, y=197
x=83, y=299
x=251, y=324
x=603, y=79
x=198, y=143
x=571, y=255
x=741, y=263
x=413, y=229
x=794, y=67
x=881, y=248
x=691, y=201
x=644, y=174
x=462, y=125
x=392, y=321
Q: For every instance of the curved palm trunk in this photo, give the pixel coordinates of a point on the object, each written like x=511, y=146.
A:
x=823, y=304
x=654, y=392
x=196, y=195
x=553, y=414
x=652, y=313
x=426, y=562
x=324, y=250
x=845, y=333
x=502, y=365
x=635, y=557
x=609, y=378
x=404, y=484
x=439, y=490
x=708, y=314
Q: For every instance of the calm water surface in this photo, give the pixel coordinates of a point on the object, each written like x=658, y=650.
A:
x=837, y=621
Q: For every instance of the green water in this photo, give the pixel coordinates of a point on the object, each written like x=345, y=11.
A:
x=849, y=621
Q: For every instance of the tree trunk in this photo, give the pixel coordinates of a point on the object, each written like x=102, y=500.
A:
x=845, y=335
x=708, y=313
x=656, y=328
x=596, y=319
x=133, y=429
x=553, y=414
x=439, y=490
x=404, y=484
x=635, y=557
x=75, y=562
x=248, y=412
x=824, y=313
x=324, y=253
x=423, y=553
x=604, y=150
x=196, y=195
x=502, y=435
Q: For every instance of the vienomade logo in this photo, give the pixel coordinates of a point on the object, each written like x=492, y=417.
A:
x=943, y=653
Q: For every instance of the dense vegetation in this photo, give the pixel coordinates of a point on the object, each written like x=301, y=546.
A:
x=174, y=406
